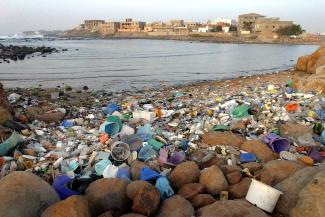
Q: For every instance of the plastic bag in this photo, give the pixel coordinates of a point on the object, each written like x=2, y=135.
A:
x=146, y=174
x=147, y=153
x=163, y=186
x=60, y=186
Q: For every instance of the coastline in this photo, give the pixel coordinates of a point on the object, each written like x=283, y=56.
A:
x=206, y=39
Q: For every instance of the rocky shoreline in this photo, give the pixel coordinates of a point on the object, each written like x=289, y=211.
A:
x=14, y=53
x=185, y=151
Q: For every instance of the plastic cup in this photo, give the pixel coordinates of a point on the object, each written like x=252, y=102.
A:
x=120, y=151
x=262, y=195
x=277, y=143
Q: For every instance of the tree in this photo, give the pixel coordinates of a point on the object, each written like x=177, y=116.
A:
x=233, y=29
x=219, y=28
x=290, y=30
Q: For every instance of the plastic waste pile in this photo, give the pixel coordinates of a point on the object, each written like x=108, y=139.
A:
x=108, y=133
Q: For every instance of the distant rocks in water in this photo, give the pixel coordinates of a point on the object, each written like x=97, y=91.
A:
x=13, y=52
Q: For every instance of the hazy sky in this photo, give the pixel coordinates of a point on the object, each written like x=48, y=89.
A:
x=20, y=15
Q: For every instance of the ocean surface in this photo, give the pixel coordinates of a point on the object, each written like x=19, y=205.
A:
x=137, y=63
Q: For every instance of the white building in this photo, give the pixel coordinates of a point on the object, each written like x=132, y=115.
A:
x=229, y=21
x=203, y=29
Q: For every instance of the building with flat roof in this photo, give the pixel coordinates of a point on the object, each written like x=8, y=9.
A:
x=246, y=22
x=109, y=28
x=131, y=26
x=91, y=24
x=267, y=27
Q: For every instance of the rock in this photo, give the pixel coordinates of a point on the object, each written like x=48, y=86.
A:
x=201, y=200
x=275, y=171
x=213, y=180
x=319, y=63
x=74, y=206
x=240, y=189
x=136, y=167
x=292, y=186
x=320, y=70
x=315, y=83
x=230, y=208
x=213, y=161
x=176, y=206
x=234, y=177
x=188, y=191
x=311, y=198
x=314, y=57
x=44, y=113
x=106, y=214
x=146, y=202
x=226, y=169
x=108, y=194
x=222, y=138
x=292, y=131
x=302, y=63
x=252, y=166
x=132, y=215
x=4, y=115
x=25, y=195
x=260, y=149
x=184, y=173
x=136, y=186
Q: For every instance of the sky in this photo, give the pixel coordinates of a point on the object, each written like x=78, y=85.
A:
x=17, y=16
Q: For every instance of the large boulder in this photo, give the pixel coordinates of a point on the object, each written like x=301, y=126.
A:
x=108, y=195
x=275, y=171
x=136, y=186
x=311, y=198
x=188, y=191
x=230, y=208
x=240, y=189
x=146, y=202
x=201, y=200
x=222, y=138
x=136, y=167
x=44, y=113
x=176, y=206
x=259, y=148
x=292, y=186
x=234, y=177
x=315, y=83
x=292, y=131
x=302, y=63
x=319, y=63
x=184, y=173
x=74, y=206
x=320, y=70
x=24, y=194
x=213, y=180
x=5, y=114
x=314, y=57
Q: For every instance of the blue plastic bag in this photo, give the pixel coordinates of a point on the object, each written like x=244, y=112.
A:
x=123, y=173
x=163, y=186
x=144, y=132
x=147, y=153
x=110, y=108
x=60, y=186
x=146, y=174
x=67, y=123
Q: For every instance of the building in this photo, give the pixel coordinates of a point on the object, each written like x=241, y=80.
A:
x=91, y=24
x=158, y=27
x=246, y=22
x=267, y=27
x=177, y=23
x=193, y=26
x=131, y=26
x=224, y=22
x=109, y=28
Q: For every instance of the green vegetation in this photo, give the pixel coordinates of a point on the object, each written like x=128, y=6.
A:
x=248, y=26
x=233, y=29
x=290, y=30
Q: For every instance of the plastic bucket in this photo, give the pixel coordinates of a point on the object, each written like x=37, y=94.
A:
x=262, y=195
x=277, y=143
x=120, y=151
